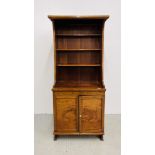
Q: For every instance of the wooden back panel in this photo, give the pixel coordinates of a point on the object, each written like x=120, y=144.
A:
x=78, y=57
x=78, y=42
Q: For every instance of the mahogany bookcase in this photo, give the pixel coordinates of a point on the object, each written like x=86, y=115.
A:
x=78, y=91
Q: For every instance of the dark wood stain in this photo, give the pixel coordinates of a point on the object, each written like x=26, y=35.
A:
x=79, y=90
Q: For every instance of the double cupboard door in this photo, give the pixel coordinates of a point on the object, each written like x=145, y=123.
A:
x=78, y=114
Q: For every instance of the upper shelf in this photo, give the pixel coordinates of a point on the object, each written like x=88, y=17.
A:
x=78, y=35
x=97, y=49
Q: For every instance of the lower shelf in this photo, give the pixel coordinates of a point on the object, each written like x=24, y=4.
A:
x=78, y=84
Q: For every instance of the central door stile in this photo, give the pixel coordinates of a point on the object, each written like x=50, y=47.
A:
x=78, y=121
x=79, y=114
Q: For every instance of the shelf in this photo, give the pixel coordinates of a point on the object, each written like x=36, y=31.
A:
x=78, y=84
x=78, y=49
x=78, y=65
x=78, y=35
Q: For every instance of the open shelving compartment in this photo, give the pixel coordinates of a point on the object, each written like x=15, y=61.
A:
x=78, y=48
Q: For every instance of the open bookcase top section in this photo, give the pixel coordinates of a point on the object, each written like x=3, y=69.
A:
x=78, y=47
x=99, y=17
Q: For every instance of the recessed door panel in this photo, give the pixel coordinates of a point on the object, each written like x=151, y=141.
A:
x=66, y=114
x=90, y=114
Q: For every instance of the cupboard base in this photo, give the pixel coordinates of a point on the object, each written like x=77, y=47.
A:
x=99, y=136
x=78, y=113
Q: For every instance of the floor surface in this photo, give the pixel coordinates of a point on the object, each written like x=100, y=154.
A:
x=68, y=145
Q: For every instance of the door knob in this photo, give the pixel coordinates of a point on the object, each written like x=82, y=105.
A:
x=80, y=115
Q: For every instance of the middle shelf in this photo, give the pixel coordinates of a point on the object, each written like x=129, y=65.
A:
x=82, y=65
x=79, y=58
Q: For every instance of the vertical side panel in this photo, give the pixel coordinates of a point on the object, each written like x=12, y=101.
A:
x=102, y=57
x=54, y=46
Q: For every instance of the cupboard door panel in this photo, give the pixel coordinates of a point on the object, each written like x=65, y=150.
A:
x=66, y=114
x=90, y=114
